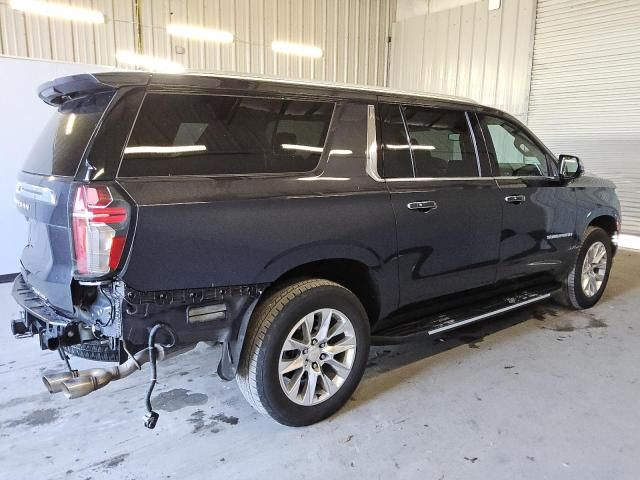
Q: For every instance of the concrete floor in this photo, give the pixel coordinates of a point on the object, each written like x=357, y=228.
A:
x=544, y=393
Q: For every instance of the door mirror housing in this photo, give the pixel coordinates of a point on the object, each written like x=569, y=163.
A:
x=570, y=167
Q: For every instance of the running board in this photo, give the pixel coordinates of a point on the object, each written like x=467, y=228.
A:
x=460, y=316
x=455, y=324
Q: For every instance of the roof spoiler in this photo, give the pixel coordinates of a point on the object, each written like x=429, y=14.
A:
x=58, y=91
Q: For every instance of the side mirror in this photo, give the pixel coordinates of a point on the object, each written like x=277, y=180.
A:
x=570, y=167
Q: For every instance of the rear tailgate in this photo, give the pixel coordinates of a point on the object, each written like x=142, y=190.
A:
x=46, y=260
x=46, y=185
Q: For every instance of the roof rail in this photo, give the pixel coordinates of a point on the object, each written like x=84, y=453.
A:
x=339, y=85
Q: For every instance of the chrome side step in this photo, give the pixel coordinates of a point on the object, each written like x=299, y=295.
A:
x=459, y=316
x=488, y=314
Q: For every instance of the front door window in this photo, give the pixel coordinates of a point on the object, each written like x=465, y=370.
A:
x=515, y=154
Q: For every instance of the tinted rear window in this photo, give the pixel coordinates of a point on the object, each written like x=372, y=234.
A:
x=59, y=148
x=179, y=134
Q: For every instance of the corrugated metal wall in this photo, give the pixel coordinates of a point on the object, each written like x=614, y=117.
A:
x=468, y=51
x=585, y=89
x=352, y=33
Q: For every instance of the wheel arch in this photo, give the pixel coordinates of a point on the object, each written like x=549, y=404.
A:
x=352, y=274
x=609, y=224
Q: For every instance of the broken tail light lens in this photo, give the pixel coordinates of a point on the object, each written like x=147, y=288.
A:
x=100, y=220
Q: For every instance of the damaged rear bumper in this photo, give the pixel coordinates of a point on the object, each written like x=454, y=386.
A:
x=143, y=326
x=122, y=315
x=39, y=318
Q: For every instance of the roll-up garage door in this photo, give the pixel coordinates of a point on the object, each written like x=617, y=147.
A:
x=585, y=90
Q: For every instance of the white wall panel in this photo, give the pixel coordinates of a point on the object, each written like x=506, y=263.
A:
x=585, y=89
x=352, y=33
x=13, y=34
x=459, y=47
x=23, y=117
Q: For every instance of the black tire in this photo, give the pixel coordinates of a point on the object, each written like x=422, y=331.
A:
x=97, y=351
x=273, y=319
x=572, y=294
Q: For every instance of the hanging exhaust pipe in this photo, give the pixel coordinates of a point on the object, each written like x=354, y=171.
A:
x=87, y=381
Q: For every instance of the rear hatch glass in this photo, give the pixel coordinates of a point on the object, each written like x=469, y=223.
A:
x=42, y=196
x=59, y=148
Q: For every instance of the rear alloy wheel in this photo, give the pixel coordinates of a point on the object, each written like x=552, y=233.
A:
x=317, y=356
x=587, y=279
x=305, y=352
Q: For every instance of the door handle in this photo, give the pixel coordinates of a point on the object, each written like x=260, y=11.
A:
x=515, y=199
x=424, y=206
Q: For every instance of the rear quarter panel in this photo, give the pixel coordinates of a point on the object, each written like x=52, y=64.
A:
x=194, y=232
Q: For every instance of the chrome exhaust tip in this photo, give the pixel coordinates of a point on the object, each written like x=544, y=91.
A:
x=78, y=387
x=87, y=381
x=54, y=382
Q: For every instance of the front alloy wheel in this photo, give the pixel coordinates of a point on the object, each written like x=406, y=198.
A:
x=594, y=268
x=585, y=282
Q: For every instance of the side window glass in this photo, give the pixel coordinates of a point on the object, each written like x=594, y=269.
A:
x=513, y=150
x=441, y=143
x=211, y=135
x=396, y=156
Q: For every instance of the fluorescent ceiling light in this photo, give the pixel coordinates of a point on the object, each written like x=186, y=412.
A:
x=199, y=33
x=296, y=49
x=150, y=63
x=306, y=148
x=339, y=151
x=58, y=10
x=157, y=149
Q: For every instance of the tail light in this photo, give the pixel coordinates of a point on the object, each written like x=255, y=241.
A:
x=99, y=225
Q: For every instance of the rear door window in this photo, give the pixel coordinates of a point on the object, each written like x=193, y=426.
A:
x=178, y=134
x=396, y=154
x=441, y=143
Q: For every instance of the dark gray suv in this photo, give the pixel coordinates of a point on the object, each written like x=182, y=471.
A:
x=293, y=223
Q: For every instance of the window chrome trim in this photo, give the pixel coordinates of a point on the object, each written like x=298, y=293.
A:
x=526, y=177
x=372, y=145
x=430, y=179
x=475, y=145
x=412, y=179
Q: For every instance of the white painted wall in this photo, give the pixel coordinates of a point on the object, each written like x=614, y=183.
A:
x=460, y=47
x=414, y=8
x=352, y=33
x=22, y=117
